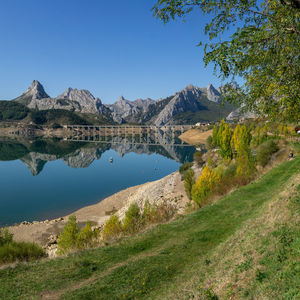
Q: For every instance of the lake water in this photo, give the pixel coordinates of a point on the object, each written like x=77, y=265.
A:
x=44, y=179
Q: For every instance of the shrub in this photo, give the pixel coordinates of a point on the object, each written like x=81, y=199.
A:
x=163, y=212
x=133, y=219
x=20, y=251
x=11, y=251
x=265, y=151
x=227, y=179
x=189, y=181
x=198, y=158
x=112, y=228
x=204, y=186
x=157, y=213
x=5, y=237
x=68, y=237
x=209, y=143
x=87, y=238
x=184, y=167
x=71, y=238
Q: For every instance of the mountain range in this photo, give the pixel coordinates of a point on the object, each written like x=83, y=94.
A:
x=188, y=106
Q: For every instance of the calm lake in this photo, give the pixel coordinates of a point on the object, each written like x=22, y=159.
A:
x=44, y=179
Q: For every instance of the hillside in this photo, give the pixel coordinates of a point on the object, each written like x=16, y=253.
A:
x=12, y=111
x=246, y=245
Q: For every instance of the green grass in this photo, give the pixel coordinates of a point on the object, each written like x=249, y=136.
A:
x=153, y=264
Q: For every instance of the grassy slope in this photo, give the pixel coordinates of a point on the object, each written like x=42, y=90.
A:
x=173, y=260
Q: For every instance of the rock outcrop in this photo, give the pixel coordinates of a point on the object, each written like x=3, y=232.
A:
x=127, y=111
x=239, y=114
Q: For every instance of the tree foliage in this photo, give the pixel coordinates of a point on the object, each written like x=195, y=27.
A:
x=133, y=219
x=204, y=185
x=189, y=180
x=72, y=238
x=263, y=49
x=241, y=143
x=224, y=138
x=112, y=228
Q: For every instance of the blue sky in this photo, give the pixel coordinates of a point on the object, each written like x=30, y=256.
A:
x=111, y=48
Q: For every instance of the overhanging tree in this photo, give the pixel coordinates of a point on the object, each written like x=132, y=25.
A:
x=264, y=50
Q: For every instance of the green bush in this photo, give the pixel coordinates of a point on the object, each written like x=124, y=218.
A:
x=5, y=237
x=87, y=238
x=189, y=181
x=265, y=151
x=112, y=228
x=11, y=251
x=20, y=251
x=184, y=167
x=68, y=237
x=198, y=158
x=133, y=219
x=71, y=238
x=209, y=143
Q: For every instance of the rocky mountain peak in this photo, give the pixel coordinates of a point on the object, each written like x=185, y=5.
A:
x=212, y=93
x=189, y=87
x=121, y=98
x=36, y=90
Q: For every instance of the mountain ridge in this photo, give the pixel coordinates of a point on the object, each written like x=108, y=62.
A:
x=191, y=99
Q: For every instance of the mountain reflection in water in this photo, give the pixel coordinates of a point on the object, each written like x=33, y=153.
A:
x=69, y=175
x=37, y=152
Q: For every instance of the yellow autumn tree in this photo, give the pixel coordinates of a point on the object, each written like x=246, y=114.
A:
x=225, y=137
x=204, y=185
x=241, y=142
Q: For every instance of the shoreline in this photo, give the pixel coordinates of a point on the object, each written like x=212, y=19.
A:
x=168, y=189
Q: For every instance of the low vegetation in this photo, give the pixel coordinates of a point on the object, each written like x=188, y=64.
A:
x=56, y=116
x=12, y=111
x=72, y=238
x=11, y=251
x=136, y=221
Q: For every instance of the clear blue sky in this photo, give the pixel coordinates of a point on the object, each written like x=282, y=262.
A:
x=111, y=48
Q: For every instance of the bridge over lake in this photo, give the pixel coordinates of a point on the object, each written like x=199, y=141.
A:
x=133, y=134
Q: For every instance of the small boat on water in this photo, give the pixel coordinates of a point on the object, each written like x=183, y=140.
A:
x=111, y=160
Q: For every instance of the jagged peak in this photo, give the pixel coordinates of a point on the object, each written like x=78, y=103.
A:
x=75, y=93
x=210, y=87
x=121, y=98
x=35, y=83
x=189, y=87
x=36, y=90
